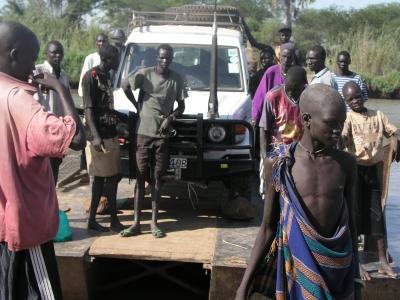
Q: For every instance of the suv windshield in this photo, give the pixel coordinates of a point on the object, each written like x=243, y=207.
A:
x=192, y=62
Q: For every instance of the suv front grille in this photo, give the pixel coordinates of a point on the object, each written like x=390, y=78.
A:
x=185, y=141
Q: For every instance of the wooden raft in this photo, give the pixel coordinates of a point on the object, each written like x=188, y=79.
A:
x=190, y=238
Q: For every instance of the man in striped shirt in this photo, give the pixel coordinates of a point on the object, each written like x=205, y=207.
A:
x=344, y=75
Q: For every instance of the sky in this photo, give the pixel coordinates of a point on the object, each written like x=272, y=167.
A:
x=347, y=4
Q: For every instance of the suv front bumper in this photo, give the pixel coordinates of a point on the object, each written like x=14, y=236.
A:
x=190, y=144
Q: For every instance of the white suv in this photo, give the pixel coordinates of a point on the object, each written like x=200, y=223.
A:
x=202, y=149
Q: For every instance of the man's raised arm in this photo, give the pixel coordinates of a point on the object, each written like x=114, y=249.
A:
x=250, y=37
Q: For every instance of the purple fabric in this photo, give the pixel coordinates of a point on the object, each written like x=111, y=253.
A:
x=271, y=78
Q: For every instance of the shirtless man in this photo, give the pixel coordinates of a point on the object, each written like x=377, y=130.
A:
x=309, y=198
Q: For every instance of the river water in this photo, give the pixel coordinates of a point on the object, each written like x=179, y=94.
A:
x=392, y=110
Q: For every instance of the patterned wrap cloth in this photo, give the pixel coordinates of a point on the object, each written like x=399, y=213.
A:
x=301, y=264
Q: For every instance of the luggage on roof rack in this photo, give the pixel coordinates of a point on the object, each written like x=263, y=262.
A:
x=200, y=15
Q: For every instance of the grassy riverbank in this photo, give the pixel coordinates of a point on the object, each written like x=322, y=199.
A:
x=375, y=56
x=371, y=35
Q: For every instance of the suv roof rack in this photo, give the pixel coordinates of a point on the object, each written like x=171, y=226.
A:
x=201, y=15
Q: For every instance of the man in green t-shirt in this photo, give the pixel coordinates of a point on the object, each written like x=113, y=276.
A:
x=159, y=88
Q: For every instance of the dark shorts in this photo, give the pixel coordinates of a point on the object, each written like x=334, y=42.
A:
x=370, y=218
x=29, y=274
x=151, y=152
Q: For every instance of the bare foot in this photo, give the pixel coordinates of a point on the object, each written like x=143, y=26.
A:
x=96, y=226
x=131, y=231
x=386, y=269
x=364, y=274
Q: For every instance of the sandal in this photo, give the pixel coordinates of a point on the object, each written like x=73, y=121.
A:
x=158, y=233
x=129, y=232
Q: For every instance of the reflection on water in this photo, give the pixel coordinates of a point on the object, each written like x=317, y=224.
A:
x=391, y=108
x=393, y=213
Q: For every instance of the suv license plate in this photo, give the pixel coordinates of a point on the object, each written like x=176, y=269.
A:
x=177, y=163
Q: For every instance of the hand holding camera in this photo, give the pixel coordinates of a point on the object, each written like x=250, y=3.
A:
x=45, y=81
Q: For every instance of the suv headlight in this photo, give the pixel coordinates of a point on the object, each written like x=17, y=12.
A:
x=240, y=133
x=216, y=133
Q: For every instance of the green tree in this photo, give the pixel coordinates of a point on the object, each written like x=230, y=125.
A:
x=72, y=11
x=13, y=8
x=118, y=13
x=288, y=9
x=257, y=10
x=52, y=22
x=371, y=35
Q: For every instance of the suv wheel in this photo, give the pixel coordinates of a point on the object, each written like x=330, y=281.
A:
x=240, y=185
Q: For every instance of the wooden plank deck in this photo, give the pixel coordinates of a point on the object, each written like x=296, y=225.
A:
x=73, y=198
x=190, y=237
x=190, y=233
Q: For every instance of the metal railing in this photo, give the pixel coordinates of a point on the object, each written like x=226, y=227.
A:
x=146, y=18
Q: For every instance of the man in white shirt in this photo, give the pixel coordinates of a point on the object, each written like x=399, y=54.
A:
x=50, y=99
x=92, y=59
x=315, y=60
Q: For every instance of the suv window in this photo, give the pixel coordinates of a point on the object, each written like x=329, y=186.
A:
x=192, y=62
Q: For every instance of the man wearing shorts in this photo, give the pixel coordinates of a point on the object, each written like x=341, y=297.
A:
x=160, y=88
